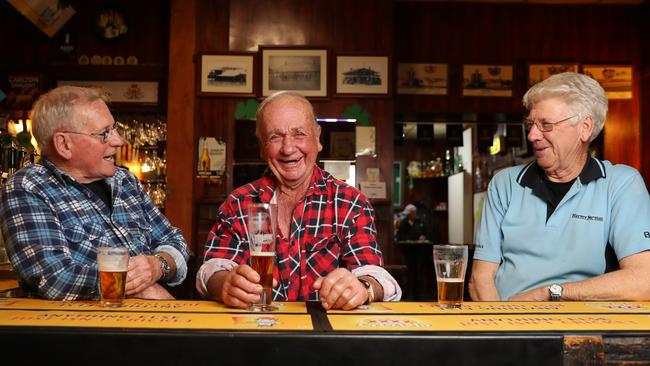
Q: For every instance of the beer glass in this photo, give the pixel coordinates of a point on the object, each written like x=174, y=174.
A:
x=113, y=263
x=262, y=227
x=450, y=262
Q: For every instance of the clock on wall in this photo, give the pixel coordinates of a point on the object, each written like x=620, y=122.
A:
x=111, y=24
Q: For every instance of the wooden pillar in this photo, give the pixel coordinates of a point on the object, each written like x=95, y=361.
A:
x=180, y=117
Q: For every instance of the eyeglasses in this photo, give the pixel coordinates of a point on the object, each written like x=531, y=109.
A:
x=104, y=135
x=543, y=126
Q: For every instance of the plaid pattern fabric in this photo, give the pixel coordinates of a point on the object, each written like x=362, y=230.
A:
x=52, y=224
x=332, y=227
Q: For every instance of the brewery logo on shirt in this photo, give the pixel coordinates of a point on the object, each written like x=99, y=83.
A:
x=587, y=217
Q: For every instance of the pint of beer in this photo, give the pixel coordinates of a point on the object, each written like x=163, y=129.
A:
x=262, y=228
x=113, y=264
x=450, y=262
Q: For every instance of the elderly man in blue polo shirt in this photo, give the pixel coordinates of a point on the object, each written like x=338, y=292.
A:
x=546, y=225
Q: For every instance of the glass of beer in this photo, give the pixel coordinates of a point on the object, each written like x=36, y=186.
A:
x=113, y=263
x=262, y=227
x=450, y=262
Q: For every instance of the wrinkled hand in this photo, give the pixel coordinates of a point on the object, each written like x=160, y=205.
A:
x=241, y=287
x=155, y=292
x=536, y=294
x=340, y=289
x=144, y=271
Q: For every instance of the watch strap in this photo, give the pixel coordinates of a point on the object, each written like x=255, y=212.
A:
x=370, y=290
x=165, y=268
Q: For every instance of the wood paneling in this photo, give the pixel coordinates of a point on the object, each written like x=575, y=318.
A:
x=180, y=128
x=517, y=34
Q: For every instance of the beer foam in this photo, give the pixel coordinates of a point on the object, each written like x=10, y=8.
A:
x=450, y=280
x=262, y=254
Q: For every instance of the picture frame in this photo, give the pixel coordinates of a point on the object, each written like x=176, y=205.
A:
x=363, y=75
x=615, y=79
x=541, y=71
x=227, y=74
x=487, y=80
x=422, y=78
x=300, y=69
x=136, y=92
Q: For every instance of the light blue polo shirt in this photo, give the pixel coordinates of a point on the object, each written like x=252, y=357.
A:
x=606, y=203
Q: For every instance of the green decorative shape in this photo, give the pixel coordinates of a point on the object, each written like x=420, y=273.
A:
x=240, y=112
x=355, y=111
x=251, y=108
x=247, y=110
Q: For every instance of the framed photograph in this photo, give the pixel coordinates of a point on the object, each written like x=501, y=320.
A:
x=303, y=70
x=422, y=78
x=230, y=74
x=540, y=72
x=615, y=79
x=122, y=92
x=363, y=75
x=487, y=80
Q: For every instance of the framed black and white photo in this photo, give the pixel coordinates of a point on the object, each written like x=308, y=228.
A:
x=363, y=75
x=422, y=78
x=615, y=79
x=299, y=69
x=229, y=74
x=487, y=80
x=540, y=72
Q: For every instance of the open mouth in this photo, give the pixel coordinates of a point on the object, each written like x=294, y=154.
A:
x=293, y=161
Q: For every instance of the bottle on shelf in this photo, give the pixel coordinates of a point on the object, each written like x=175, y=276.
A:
x=449, y=166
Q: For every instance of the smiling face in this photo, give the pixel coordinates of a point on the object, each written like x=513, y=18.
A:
x=289, y=141
x=562, y=151
x=91, y=158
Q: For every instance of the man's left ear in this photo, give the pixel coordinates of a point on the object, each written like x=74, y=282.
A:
x=586, y=127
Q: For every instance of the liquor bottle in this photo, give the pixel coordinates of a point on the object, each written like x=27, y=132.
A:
x=449, y=167
x=205, y=159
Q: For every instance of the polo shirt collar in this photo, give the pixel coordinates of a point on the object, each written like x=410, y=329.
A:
x=532, y=174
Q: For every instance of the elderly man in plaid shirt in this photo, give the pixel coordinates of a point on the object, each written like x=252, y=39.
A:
x=56, y=213
x=326, y=247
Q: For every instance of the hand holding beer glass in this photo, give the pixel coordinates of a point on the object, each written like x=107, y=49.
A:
x=113, y=263
x=262, y=227
x=450, y=262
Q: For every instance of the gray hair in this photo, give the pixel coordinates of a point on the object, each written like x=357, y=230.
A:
x=581, y=93
x=283, y=96
x=54, y=111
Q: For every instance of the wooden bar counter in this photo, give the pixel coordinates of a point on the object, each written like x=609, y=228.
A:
x=406, y=333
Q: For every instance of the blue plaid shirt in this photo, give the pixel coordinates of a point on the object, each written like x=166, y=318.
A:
x=52, y=224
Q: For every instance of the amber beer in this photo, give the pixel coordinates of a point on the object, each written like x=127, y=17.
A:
x=450, y=292
x=113, y=265
x=263, y=263
x=450, y=262
x=262, y=226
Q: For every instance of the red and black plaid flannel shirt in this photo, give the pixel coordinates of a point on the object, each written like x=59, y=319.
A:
x=332, y=227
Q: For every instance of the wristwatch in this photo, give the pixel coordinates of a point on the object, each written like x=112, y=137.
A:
x=164, y=267
x=556, y=292
x=371, y=292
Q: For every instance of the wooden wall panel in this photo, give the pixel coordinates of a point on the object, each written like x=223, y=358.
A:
x=517, y=34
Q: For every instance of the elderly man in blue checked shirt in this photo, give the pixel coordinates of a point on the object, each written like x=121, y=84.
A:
x=56, y=213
